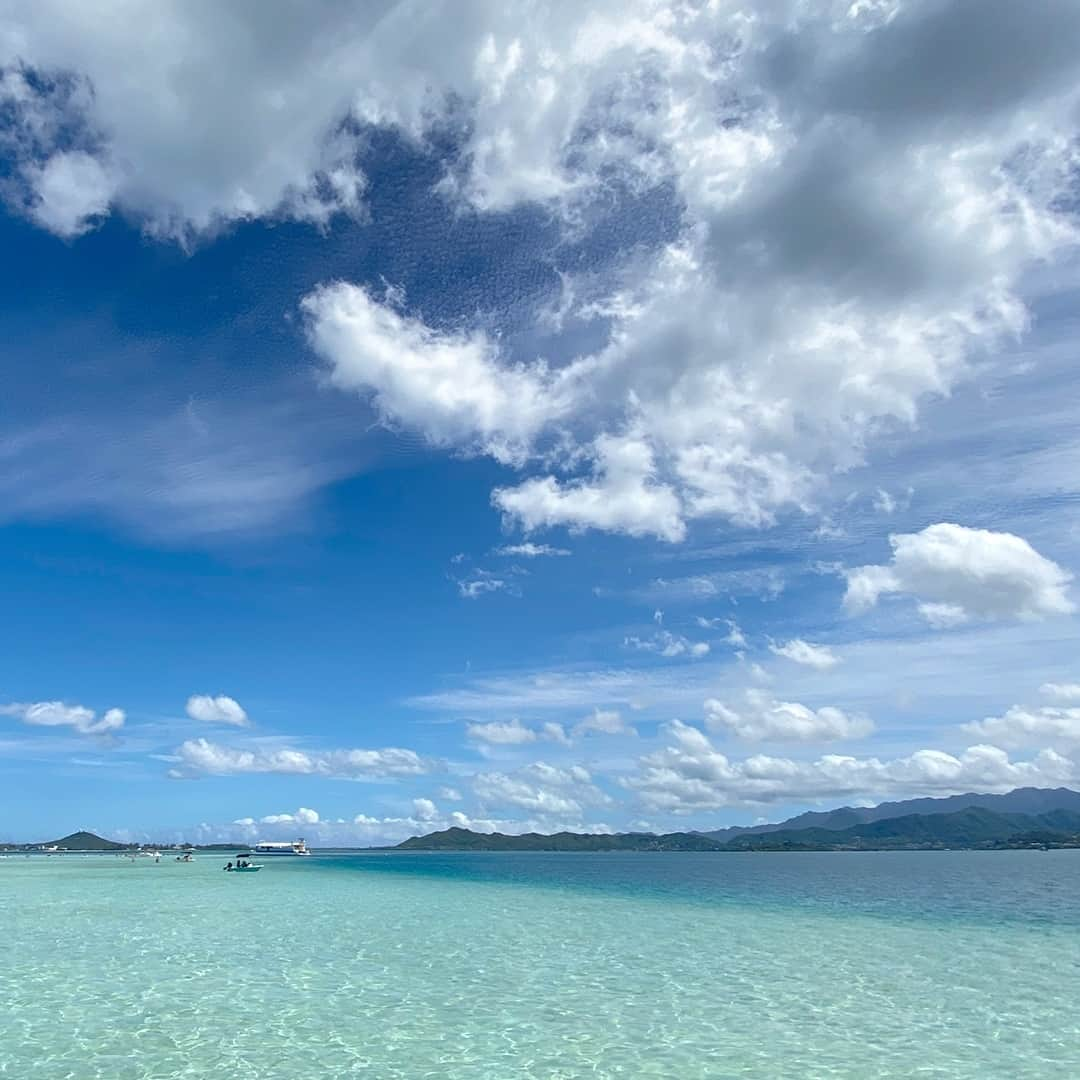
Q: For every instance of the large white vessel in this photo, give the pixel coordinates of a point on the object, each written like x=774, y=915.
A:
x=282, y=847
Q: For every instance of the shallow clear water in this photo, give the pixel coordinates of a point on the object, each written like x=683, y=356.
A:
x=555, y=966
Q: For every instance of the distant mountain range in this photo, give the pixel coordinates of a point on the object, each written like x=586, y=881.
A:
x=968, y=828
x=465, y=840
x=1027, y=817
x=1026, y=800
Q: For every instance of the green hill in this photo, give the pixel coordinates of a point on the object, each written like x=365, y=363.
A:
x=86, y=841
x=971, y=827
x=466, y=840
x=1034, y=801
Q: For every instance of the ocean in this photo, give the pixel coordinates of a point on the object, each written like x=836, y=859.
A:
x=556, y=966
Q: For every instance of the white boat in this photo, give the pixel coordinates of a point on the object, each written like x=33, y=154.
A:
x=282, y=847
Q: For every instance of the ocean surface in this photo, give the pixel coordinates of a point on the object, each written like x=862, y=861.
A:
x=498, y=966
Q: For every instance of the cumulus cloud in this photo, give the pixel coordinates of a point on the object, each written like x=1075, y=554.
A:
x=763, y=718
x=841, y=255
x=541, y=789
x=452, y=386
x=959, y=573
x=604, y=722
x=502, y=733
x=862, y=188
x=249, y=124
x=303, y=816
x=691, y=775
x=1028, y=725
x=216, y=710
x=1025, y=725
x=72, y=190
x=1061, y=691
x=58, y=714
x=622, y=495
x=668, y=644
x=515, y=733
x=820, y=657
x=554, y=732
x=200, y=756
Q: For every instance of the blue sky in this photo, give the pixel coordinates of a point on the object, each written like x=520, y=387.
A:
x=641, y=416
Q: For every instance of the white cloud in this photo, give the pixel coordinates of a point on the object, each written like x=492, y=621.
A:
x=450, y=793
x=216, y=710
x=502, y=733
x=1028, y=725
x=960, y=573
x=425, y=810
x=734, y=637
x=604, y=722
x=541, y=789
x=71, y=189
x=58, y=714
x=764, y=718
x=554, y=732
x=862, y=189
x=1022, y=725
x=303, y=816
x=622, y=495
x=529, y=550
x=691, y=775
x=1061, y=691
x=197, y=756
x=820, y=657
x=482, y=583
x=515, y=733
x=668, y=644
x=884, y=503
x=242, y=124
x=766, y=583
x=452, y=386
x=196, y=471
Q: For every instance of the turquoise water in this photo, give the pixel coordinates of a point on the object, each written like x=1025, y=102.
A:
x=555, y=966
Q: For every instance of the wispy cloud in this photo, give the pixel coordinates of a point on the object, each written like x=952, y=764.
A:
x=530, y=550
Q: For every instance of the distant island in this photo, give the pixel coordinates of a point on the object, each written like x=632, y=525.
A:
x=465, y=840
x=83, y=841
x=1024, y=818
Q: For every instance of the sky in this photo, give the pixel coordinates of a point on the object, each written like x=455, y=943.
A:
x=638, y=415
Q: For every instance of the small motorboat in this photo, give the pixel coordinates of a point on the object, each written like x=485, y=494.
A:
x=243, y=866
